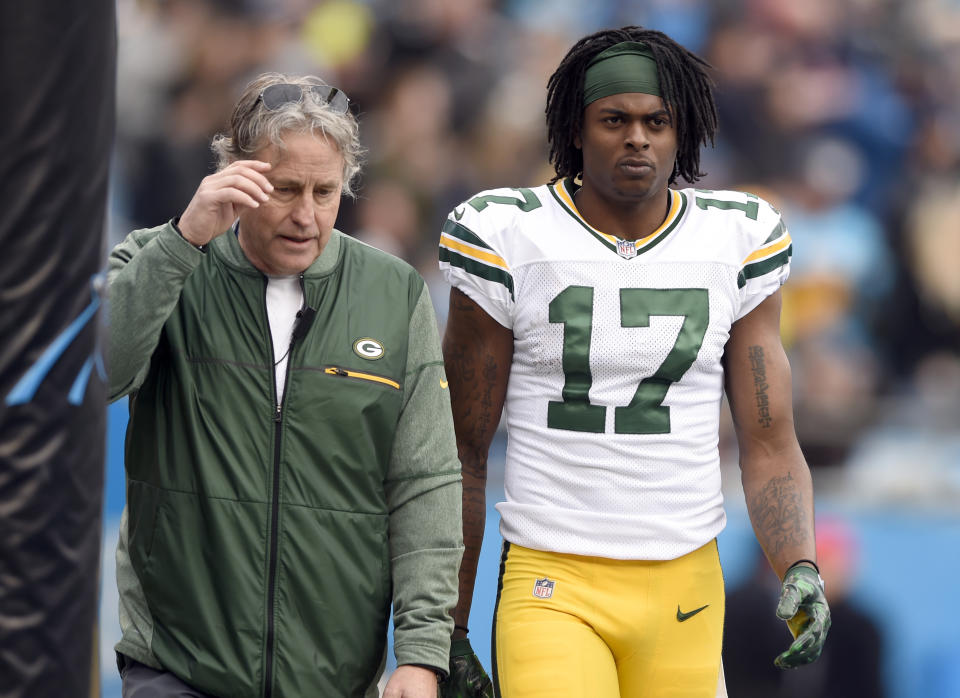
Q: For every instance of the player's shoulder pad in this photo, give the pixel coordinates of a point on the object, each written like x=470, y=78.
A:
x=751, y=217
x=490, y=215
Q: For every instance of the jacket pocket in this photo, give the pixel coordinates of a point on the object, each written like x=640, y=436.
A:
x=361, y=375
x=144, y=503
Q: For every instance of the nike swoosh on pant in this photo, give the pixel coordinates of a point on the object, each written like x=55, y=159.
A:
x=681, y=616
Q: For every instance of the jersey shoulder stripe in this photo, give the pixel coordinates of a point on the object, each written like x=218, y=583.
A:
x=464, y=234
x=761, y=246
x=774, y=253
x=460, y=247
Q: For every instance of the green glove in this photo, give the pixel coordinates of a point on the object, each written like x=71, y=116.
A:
x=467, y=678
x=804, y=607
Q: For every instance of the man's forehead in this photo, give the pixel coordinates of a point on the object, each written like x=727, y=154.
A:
x=297, y=163
x=632, y=102
x=297, y=146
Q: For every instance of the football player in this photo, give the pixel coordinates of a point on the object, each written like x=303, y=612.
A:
x=608, y=311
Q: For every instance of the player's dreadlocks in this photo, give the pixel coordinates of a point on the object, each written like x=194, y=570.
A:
x=686, y=86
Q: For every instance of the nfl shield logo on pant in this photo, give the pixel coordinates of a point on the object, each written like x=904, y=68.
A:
x=543, y=588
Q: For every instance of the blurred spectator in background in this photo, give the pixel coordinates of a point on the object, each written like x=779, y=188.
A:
x=852, y=660
x=841, y=274
x=388, y=216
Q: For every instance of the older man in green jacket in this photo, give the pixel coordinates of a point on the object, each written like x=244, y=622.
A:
x=291, y=463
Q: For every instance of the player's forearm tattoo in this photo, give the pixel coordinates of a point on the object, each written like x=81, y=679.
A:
x=778, y=514
x=760, y=386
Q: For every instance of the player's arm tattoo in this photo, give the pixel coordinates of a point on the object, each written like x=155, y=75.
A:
x=779, y=515
x=477, y=353
x=477, y=383
x=758, y=367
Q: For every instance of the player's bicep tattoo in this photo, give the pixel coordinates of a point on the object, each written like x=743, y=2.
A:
x=778, y=514
x=475, y=375
x=761, y=397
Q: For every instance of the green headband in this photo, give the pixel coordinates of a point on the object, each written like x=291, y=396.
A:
x=624, y=67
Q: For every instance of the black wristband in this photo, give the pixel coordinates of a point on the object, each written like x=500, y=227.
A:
x=174, y=222
x=803, y=559
x=461, y=627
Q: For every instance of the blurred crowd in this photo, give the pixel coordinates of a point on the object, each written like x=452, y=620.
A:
x=845, y=114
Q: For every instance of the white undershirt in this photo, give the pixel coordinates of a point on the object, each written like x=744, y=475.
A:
x=284, y=299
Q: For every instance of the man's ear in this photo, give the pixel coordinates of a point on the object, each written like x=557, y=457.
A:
x=578, y=142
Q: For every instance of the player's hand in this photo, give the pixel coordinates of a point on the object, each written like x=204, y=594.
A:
x=220, y=198
x=804, y=607
x=467, y=678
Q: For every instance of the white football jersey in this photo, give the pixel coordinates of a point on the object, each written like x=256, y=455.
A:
x=613, y=405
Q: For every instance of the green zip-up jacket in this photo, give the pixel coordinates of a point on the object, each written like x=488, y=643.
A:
x=262, y=545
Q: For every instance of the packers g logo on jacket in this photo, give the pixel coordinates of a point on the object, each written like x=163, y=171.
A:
x=368, y=348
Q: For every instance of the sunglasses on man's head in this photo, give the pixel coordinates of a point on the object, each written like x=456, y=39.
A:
x=275, y=96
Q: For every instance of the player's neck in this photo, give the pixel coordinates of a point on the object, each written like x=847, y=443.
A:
x=626, y=219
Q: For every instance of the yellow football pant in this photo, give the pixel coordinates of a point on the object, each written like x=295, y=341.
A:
x=590, y=627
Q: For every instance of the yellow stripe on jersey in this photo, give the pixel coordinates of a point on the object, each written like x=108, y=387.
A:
x=769, y=250
x=675, y=205
x=472, y=252
x=561, y=192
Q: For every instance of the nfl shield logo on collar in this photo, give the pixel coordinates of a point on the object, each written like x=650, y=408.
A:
x=543, y=588
x=627, y=249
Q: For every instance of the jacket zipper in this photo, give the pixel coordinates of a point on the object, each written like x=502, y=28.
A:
x=272, y=565
x=275, y=494
x=360, y=375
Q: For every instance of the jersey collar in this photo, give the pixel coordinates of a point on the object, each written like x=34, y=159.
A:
x=628, y=249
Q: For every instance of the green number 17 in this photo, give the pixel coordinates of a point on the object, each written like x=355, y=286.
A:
x=645, y=414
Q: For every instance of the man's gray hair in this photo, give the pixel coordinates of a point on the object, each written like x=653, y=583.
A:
x=253, y=127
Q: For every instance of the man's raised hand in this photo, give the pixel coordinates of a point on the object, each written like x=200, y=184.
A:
x=221, y=196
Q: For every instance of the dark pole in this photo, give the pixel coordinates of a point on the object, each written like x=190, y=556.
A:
x=57, y=84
